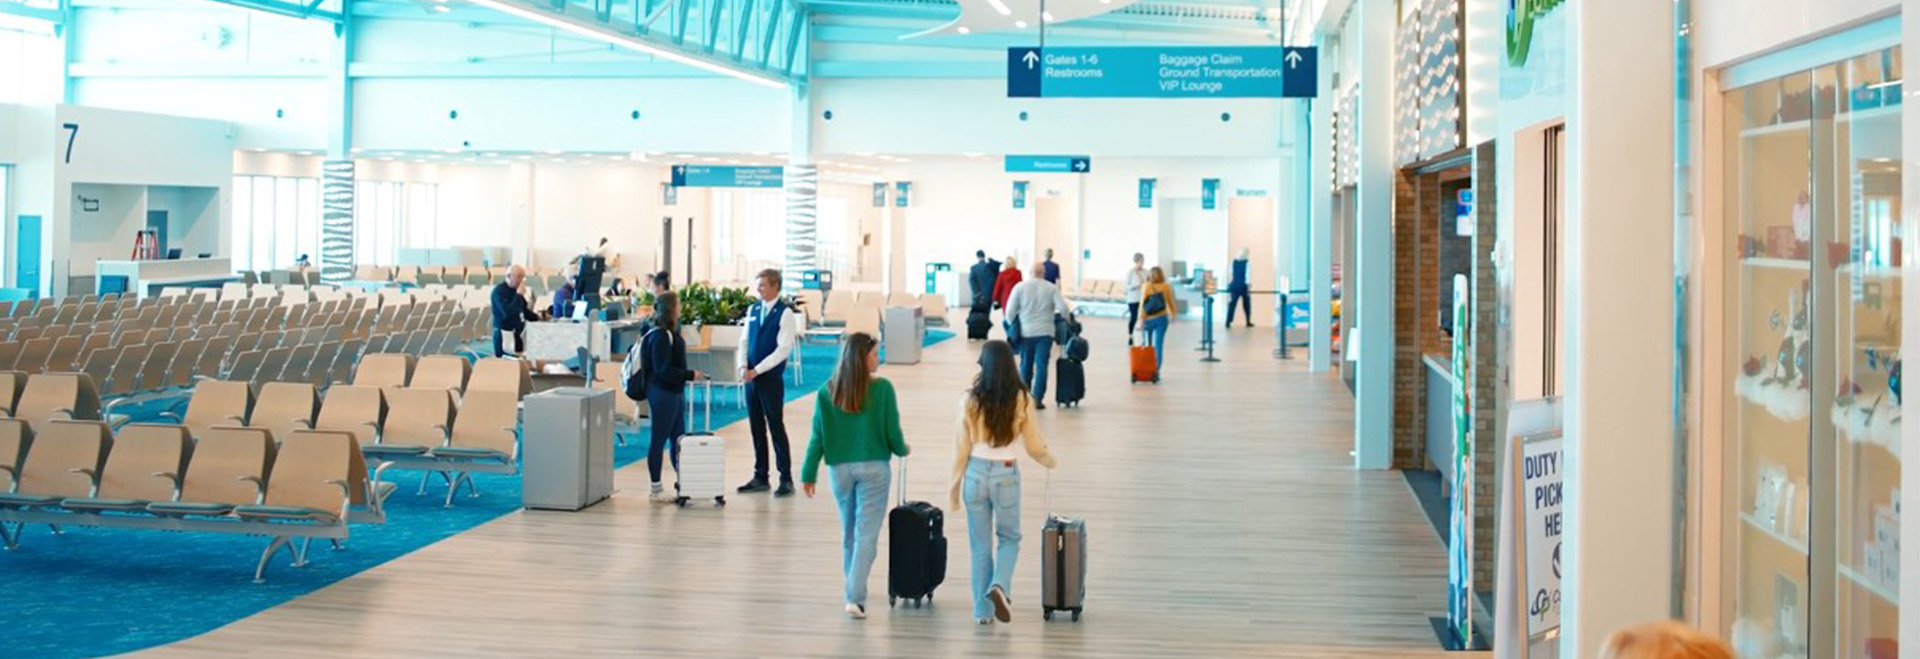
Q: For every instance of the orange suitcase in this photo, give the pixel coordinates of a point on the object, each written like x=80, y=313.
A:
x=1144, y=364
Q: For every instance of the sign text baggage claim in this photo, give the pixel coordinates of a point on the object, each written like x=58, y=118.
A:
x=1203, y=73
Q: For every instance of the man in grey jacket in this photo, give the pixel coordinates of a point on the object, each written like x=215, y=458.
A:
x=1031, y=308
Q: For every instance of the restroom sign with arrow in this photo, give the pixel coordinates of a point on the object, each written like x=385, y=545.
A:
x=1163, y=72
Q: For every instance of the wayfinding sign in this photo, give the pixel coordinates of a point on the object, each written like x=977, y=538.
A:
x=1050, y=164
x=714, y=176
x=1163, y=72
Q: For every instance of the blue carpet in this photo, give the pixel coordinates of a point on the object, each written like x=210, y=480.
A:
x=95, y=592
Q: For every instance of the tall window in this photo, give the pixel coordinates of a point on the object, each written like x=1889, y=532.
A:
x=278, y=219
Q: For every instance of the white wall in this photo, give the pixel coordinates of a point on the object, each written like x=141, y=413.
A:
x=1728, y=30
x=106, y=233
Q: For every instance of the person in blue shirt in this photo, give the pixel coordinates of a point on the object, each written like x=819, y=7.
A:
x=1053, y=269
x=1238, y=292
x=563, y=298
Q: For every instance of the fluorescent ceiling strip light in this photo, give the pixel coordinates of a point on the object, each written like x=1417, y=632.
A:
x=1001, y=7
x=628, y=42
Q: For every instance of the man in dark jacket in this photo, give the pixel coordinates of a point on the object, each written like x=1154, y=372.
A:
x=981, y=278
x=510, y=312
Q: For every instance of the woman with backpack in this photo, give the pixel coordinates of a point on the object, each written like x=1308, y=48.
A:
x=856, y=431
x=658, y=374
x=1156, y=310
x=995, y=412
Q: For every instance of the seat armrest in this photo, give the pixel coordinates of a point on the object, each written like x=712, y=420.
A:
x=66, y=411
x=302, y=423
x=258, y=484
x=446, y=434
x=171, y=477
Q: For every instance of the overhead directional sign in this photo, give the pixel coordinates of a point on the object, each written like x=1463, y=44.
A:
x=1163, y=72
x=715, y=176
x=1050, y=164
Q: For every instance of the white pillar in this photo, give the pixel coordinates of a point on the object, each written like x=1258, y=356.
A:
x=1317, y=134
x=1369, y=300
x=1910, y=332
x=1618, y=550
x=337, y=217
x=803, y=193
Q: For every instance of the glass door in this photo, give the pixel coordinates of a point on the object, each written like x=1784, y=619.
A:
x=1813, y=316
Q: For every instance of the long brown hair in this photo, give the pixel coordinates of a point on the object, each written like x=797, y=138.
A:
x=666, y=311
x=997, y=392
x=850, y=379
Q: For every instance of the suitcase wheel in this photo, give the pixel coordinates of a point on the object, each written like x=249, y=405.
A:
x=1046, y=614
x=719, y=501
x=681, y=502
x=892, y=601
x=1076, y=616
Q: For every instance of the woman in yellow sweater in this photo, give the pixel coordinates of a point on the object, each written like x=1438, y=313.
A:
x=996, y=412
x=1156, y=312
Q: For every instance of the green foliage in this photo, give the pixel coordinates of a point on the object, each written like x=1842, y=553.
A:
x=701, y=304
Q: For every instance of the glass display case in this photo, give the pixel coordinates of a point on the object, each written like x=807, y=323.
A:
x=1812, y=204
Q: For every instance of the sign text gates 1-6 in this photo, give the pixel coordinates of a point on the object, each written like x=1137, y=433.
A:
x=1163, y=72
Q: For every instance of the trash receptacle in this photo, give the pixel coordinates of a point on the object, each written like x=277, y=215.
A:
x=567, y=448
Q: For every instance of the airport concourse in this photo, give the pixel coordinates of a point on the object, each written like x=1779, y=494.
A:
x=1310, y=329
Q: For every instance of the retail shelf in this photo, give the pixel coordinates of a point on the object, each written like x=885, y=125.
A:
x=1890, y=596
x=1770, y=262
x=1800, y=126
x=1872, y=271
x=1791, y=543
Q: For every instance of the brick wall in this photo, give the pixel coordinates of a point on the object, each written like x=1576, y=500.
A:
x=1409, y=376
x=1486, y=373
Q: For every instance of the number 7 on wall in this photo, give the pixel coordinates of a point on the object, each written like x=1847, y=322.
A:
x=71, y=136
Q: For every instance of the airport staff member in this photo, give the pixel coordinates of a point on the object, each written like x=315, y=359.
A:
x=770, y=337
x=510, y=312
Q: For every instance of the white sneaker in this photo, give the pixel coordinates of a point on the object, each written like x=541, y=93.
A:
x=659, y=495
x=984, y=621
x=856, y=612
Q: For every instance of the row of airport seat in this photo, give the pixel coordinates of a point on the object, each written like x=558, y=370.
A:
x=228, y=479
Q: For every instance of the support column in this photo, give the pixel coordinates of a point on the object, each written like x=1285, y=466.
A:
x=1369, y=301
x=1318, y=195
x=803, y=193
x=1619, y=339
x=337, y=172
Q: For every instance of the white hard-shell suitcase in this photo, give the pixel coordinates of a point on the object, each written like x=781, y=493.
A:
x=703, y=457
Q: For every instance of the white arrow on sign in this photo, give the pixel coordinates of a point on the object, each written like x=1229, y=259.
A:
x=1079, y=164
x=1293, y=59
x=1031, y=58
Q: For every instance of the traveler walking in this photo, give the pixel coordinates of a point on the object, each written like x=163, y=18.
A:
x=986, y=476
x=1003, y=285
x=1136, y=278
x=1238, y=292
x=981, y=279
x=1031, y=310
x=1052, y=270
x=856, y=431
x=1156, y=308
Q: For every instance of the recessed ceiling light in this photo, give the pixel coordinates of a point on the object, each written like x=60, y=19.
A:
x=1046, y=16
x=967, y=30
x=553, y=152
x=1020, y=24
x=441, y=9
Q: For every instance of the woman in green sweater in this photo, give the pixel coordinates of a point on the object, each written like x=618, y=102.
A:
x=856, y=429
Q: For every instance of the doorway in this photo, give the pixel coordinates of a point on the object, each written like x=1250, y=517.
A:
x=1053, y=224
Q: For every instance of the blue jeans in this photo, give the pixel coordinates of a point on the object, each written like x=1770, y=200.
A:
x=667, y=418
x=1036, y=355
x=860, y=488
x=991, y=493
x=1157, y=337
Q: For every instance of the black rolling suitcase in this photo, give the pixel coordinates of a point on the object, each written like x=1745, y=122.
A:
x=917, y=539
x=978, y=323
x=1069, y=382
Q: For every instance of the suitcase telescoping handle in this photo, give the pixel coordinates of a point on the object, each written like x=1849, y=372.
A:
x=708, y=384
x=903, y=480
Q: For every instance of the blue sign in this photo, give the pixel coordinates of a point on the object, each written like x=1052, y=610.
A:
x=709, y=176
x=1050, y=164
x=880, y=195
x=1163, y=72
x=1146, y=193
x=1463, y=214
x=1019, y=194
x=1209, y=193
x=900, y=193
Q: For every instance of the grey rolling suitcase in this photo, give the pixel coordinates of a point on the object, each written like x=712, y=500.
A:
x=1063, y=562
x=703, y=459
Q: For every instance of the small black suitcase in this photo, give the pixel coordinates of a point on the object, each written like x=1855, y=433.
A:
x=917, y=539
x=978, y=324
x=1069, y=382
